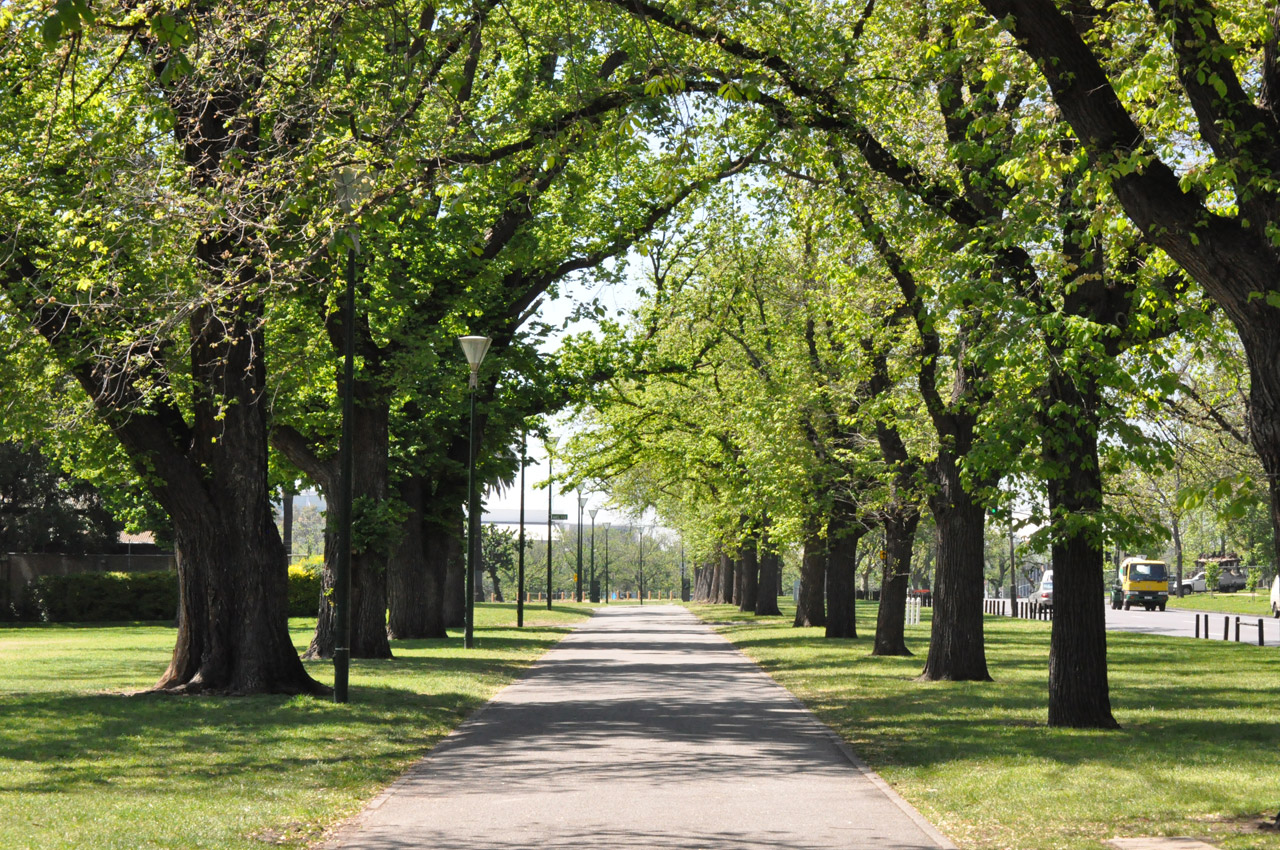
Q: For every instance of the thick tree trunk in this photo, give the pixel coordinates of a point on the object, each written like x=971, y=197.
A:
x=1079, y=693
x=233, y=634
x=900, y=533
x=368, y=563
x=726, y=580
x=497, y=585
x=415, y=573
x=810, y=610
x=767, y=595
x=738, y=570
x=842, y=576
x=455, y=571
x=956, y=649
x=750, y=575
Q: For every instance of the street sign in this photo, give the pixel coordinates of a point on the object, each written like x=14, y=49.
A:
x=559, y=516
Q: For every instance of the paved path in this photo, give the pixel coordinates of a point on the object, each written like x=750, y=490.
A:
x=641, y=729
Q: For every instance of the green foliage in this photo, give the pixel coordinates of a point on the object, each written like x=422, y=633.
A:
x=1253, y=579
x=105, y=597
x=1212, y=573
x=305, y=583
x=45, y=510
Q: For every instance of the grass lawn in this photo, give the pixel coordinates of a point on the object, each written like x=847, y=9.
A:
x=83, y=765
x=1198, y=755
x=1255, y=605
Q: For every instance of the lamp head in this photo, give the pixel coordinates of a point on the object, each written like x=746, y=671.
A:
x=475, y=348
x=593, y=512
x=582, y=502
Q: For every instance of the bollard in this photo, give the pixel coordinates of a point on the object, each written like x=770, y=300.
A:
x=1206, y=626
x=1197, y=626
x=1226, y=628
x=1260, y=643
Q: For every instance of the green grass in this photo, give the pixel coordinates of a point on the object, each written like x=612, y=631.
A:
x=82, y=764
x=1198, y=755
x=1255, y=605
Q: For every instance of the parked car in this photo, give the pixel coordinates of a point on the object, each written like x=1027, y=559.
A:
x=1193, y=584
x=1275, y=597
x=1042, y=596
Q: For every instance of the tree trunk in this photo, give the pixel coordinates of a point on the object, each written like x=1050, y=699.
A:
x=286, y=525
x=956, y=649
x=726, y=580
x=455, y=570
x=900, y=534
x=1079, y=694
x=415, y=579
x=738, y=570
x=233, y=634
x=369, y=561
x=767, y=595
x=497, y=585
x=810, y=609
x=750, y=575
x=842, y=576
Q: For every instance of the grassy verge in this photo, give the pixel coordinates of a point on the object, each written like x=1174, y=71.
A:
x=1254, y=605
x=1198, y=755
x=84, y=765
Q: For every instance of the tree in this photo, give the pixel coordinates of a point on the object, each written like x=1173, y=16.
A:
x=43, y=509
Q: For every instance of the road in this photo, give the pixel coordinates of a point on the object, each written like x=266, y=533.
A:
x=1182, y=623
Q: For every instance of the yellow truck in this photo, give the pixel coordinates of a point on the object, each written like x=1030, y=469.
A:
x=1141, y=582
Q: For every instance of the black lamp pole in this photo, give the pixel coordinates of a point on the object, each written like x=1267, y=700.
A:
x=474, y=347
x=606, y=563
x=550, y=446
x=351, y=185
x=595, y=588
x=524, y=445
x=582, y=503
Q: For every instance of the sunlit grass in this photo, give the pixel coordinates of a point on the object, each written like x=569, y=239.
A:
x=1254, y=605
x=82, y=765
x=1198, y=754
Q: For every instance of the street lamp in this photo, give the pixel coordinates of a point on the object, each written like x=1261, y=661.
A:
x=582, y=503
x=606, y=563
x=551, y=446
x=352, y=185
x=524, y=446
x=640, y=569
x=595, y=588
x=474, y=347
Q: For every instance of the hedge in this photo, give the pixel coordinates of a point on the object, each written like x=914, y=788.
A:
x=107, y=597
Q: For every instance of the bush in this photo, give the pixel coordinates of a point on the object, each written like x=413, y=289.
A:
x=305, y=587
x=104, y=597
x=1254, y=579
x=109, y=597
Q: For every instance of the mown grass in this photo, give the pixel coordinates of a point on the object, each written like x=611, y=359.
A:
x=84, y=765
x=1198, y=754
x=1254, y=605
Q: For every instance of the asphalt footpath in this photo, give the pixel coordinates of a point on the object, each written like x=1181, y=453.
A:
x=643, y=728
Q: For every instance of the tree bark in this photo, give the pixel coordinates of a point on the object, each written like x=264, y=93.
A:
x=738, y=570
x=1079, y=693
x=767, y=594
x=415, y=574
x=810, y=609
x=900, y=524
x=455, y=570
x=843, y=535
x=750, y=575
x=956, y=650
x=726, y=580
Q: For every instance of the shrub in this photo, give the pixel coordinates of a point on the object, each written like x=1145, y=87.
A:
x=305, y=587
x=1254, y=579
x=1212, y=573
x=104, y=597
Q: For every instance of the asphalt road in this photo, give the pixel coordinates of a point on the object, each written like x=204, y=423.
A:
x=641, y=729
x=1181, y=623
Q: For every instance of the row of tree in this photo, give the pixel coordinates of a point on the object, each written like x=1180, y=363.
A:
x=995, y=243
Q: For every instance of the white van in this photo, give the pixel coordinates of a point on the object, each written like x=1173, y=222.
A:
x=1275, y=597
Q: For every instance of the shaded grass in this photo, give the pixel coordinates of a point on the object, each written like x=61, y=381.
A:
x=1198, y=755
x=82, y=764
x=1255, y=605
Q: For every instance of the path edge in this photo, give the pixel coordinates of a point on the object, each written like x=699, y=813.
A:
x=842, y=745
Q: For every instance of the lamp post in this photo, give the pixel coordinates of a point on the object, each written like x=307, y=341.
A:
x=595, y=588
x=352, y=185
x=551, y=445
x=640, y=569
x=684, y=593
x=606, y=563
x=474, y=347
x=582, y=503
x=524, y=445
